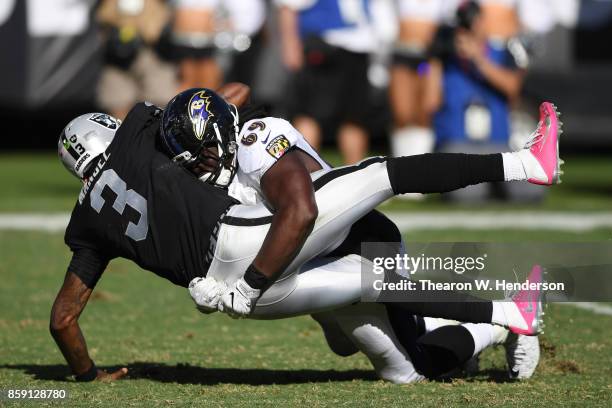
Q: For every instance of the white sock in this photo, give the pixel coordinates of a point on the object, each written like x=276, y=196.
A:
x=505, y=313
x=412, y=140
x=513, y=167
x=484, y=335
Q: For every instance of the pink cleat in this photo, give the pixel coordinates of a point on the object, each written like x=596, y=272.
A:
x=529, y=304
x=541, y=154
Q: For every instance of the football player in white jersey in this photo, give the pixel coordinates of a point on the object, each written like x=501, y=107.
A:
x=291, y=294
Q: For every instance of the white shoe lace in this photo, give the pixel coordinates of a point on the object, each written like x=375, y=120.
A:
x=510, y=293
x=536, y=136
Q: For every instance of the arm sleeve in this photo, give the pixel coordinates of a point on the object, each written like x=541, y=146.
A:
x=88, y=265
x=262, y=142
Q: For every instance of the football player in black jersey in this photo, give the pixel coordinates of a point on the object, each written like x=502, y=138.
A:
x=121, y=212
x=137, y=203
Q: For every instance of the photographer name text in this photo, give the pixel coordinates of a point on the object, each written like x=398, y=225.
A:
x=481, y=285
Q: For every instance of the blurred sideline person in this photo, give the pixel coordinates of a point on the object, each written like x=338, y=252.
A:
x=482, y=77
x=411, y=107
x=412, y=87
x=133, y=69
x=143, y=195
x=246, y=19
x=193, y=40
x=479, y=73
x=326, y=44
x=216, y=40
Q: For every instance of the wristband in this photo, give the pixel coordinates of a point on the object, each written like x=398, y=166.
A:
x=89, y=375
x=255, y=279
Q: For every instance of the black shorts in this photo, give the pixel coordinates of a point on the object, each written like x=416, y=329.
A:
x=332, y=86
x=172, y=48
x=181, y=52
x=408, y=58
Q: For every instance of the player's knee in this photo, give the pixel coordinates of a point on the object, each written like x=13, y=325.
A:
x=60, y=321
x=338, y=342
x=436, y=362
x=443, y=350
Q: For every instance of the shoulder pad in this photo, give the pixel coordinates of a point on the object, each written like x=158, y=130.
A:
x=263, y=141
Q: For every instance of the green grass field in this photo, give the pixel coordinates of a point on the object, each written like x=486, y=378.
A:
x=177, y=356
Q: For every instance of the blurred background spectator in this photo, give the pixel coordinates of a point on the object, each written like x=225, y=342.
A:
x=483, y=68
x=246, y=28
x=327, y=44
x=133, y=70
x=215, y=41
x=193, y=41
x=410, y=91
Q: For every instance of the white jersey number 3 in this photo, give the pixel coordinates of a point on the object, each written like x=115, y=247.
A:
x=109, y=178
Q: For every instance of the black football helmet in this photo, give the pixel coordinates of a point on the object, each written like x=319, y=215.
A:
x=194, y=122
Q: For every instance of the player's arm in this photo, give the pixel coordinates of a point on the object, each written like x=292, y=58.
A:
x=235, y=93
x=288, y=188
x=64, y=327
x=508, y=81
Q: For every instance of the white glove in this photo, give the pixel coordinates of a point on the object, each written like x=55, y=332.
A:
x=239, y=299
x=206, y=293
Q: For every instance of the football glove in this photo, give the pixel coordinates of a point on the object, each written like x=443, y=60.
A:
x=206, y=293
x=239, y=299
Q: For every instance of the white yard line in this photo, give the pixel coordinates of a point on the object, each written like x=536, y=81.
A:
x=598, y=308
x=52, y=222
x=564, y=221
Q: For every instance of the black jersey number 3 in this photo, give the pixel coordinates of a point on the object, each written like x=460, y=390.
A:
x=110, y=178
